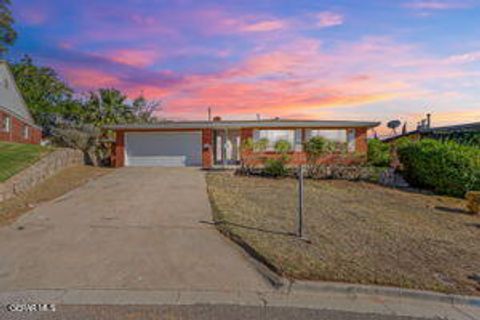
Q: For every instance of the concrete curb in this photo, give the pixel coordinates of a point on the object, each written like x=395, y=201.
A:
x=333, y=287
x=356, y=303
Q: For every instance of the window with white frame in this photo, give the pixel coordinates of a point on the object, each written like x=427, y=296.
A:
x=333, y=134
x=26, y=132
x=5, y=124
x=273, y=136
x=340, y=137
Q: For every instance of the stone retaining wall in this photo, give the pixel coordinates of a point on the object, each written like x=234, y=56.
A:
x=39, y=171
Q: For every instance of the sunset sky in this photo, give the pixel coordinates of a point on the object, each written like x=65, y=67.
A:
x=342, y=59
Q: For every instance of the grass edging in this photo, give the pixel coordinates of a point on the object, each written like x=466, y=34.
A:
x=261, y=263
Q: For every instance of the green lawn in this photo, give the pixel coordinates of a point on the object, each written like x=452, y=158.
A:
x=14, y=157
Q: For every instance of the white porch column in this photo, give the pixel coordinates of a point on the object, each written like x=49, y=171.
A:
x=298, y=143
x=351, y=143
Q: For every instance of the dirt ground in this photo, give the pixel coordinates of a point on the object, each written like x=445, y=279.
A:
x=64, y=181
x=359, y=232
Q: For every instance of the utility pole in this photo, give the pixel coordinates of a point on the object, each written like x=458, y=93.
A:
x=209, y=114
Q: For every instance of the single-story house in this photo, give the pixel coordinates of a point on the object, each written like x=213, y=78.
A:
x=218, y=143
x=16, y=122
x=453, y=132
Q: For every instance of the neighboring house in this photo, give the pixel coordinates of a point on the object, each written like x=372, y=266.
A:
x=217, y=143
x=16, y=122
x=461, y=132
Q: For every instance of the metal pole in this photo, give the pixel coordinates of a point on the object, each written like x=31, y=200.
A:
x=300, y=231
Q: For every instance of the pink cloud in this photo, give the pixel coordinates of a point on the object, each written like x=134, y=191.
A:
x=133, y=57
x=264, y=26
x=328, y=19
x=301, y=76
x=215, y=21
x=84, y=78
x=33, y=16
x=437, y=5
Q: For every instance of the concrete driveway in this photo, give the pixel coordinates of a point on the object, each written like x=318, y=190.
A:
x=136, y=228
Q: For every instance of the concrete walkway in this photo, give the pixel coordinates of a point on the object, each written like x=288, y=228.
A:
x=136, y=228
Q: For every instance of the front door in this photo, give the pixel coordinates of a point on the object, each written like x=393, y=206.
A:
x=226, y=147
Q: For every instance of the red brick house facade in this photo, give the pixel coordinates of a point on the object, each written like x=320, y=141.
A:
x=218, y=143
x=16, y=122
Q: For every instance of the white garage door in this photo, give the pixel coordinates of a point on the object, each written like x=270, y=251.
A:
x=166, y=149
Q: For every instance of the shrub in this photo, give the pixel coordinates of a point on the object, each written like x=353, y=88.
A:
x=378, y=153
x=283, y=146
x=444, y=167
x=248, y=144
x=316, y=147
x=402, y=142
x=82, y=137
x=275, y=168
x=260, y=145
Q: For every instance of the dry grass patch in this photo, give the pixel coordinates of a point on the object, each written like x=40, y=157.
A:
x=360, y=232
x=64, y=181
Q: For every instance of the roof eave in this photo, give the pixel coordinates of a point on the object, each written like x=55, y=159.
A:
x=244, y=124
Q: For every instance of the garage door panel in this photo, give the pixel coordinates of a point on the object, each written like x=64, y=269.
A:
x=170, y=161
x=169, y=149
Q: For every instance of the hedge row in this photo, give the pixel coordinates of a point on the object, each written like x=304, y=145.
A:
x=444, y=167
x=378, y=153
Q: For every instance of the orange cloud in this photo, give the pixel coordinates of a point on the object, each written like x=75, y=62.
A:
x=449, y=117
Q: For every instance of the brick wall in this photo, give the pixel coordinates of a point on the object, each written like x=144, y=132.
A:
x=361, y=145
x=16, y=132
x=207, y=148
x=118, y=156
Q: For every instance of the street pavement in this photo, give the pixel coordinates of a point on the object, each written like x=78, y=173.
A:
x=198, y=312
